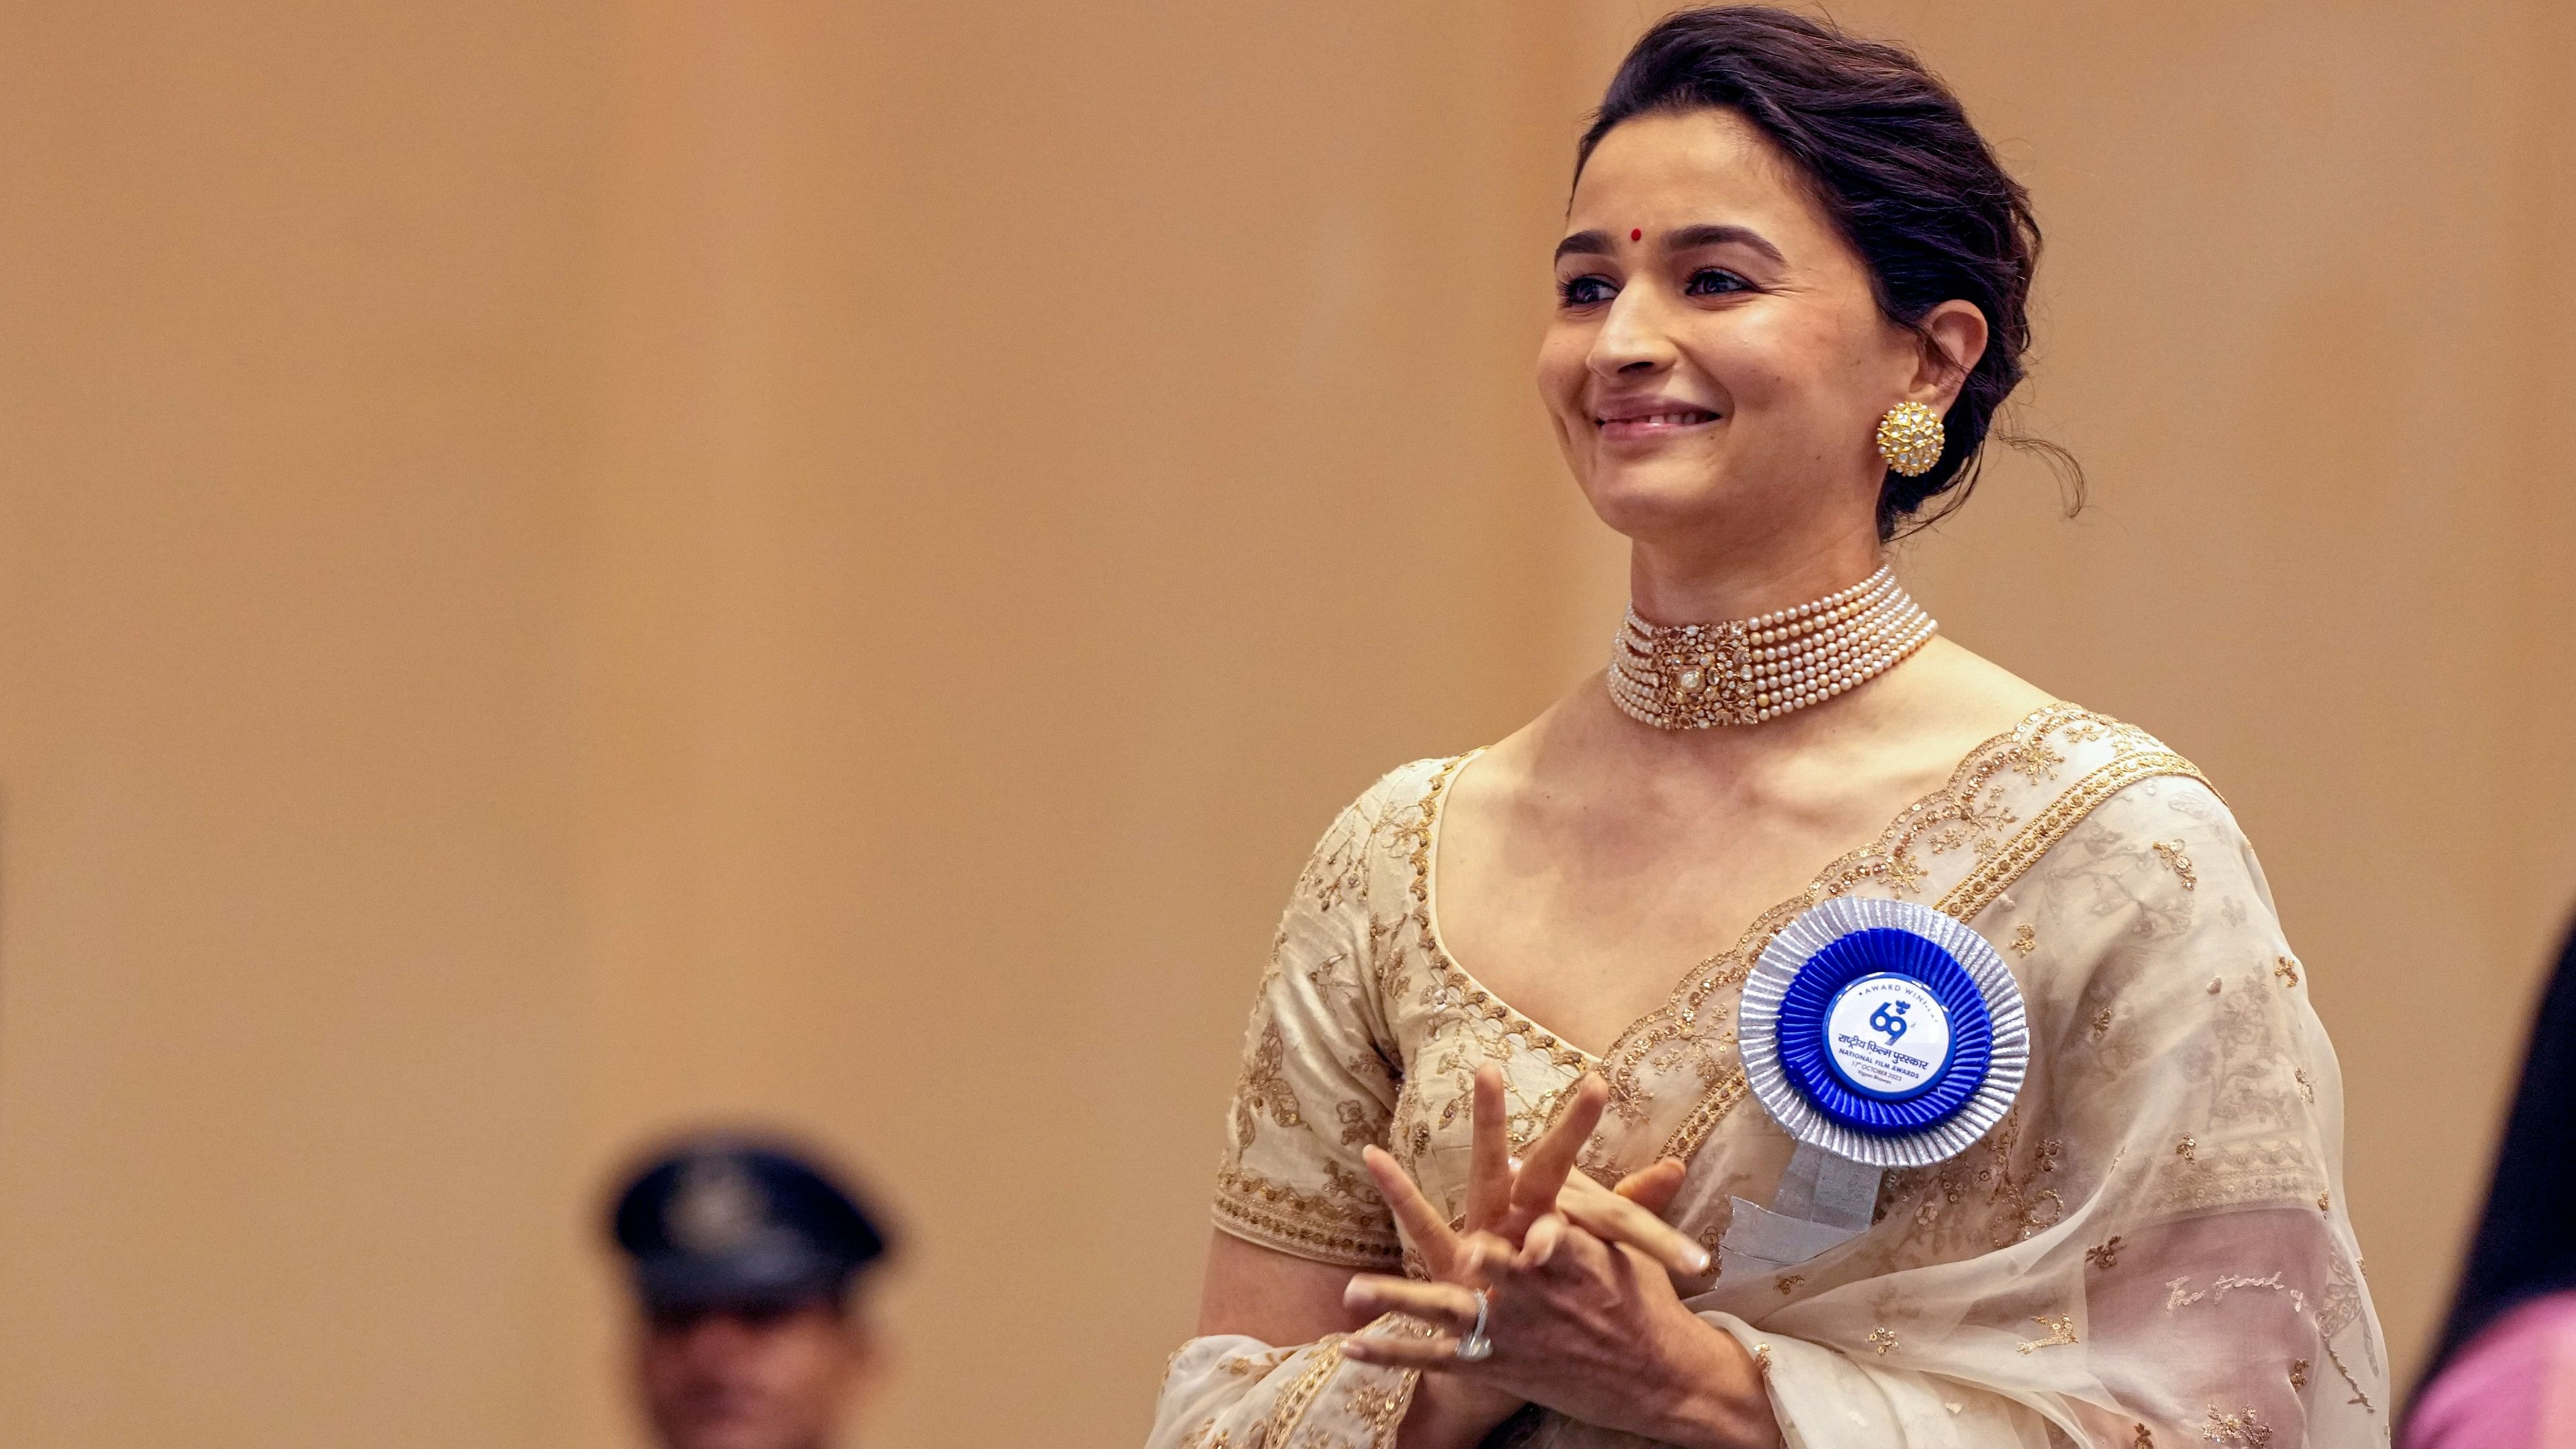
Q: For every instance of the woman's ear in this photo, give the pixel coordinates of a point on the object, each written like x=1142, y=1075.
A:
x=1958, y=338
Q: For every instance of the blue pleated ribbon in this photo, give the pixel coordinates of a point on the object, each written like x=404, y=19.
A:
x=1877, y=950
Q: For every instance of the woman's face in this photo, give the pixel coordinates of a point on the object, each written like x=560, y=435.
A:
x=1717, y=365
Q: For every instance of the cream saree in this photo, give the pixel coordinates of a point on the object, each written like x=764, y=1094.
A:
x=2149, y=1250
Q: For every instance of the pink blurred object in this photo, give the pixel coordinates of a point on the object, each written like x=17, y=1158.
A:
x=2513, y=1387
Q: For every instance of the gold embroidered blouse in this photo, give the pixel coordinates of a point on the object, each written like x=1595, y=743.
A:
x=2149, y=1244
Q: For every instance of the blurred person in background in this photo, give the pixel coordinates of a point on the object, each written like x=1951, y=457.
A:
x=1497, y=1155
x=748, y=1265
x=2504, y=1376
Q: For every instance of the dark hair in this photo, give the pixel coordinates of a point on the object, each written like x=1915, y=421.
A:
x=1894, y=161
x=2526, y=1242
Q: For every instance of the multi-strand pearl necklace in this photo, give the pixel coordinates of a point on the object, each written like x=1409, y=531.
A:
x=1744, y=671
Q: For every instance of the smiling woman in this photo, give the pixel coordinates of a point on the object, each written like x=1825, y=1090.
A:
x=1911, y=188
x=1528, y=1061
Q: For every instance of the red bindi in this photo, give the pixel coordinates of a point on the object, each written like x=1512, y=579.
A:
x=1636, y=233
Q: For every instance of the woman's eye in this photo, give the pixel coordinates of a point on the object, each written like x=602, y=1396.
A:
x=1711, y=282
x=1586, y=291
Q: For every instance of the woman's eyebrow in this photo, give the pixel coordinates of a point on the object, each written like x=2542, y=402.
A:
x=1680, y=239
x=1590, y=243
x=1683, y=239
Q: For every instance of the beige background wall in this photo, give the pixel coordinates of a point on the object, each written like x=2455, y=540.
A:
x=570, y=569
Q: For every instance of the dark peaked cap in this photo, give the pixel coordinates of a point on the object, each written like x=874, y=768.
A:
x=725, y=1222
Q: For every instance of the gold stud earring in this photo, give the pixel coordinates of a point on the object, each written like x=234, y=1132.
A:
x=1909, y=438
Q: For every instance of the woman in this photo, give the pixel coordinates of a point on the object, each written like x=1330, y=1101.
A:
x=2505, y=1375
x=1791, y=297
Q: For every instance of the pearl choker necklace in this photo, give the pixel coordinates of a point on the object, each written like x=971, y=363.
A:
x=1744, y=671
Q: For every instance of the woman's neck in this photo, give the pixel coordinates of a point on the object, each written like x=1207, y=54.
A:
x=1672, y=586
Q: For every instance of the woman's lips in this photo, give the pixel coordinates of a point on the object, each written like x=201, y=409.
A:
x=1654, y=425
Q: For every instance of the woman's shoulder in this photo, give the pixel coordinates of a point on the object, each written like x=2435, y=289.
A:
x=2074, y=760
x=2068, y=779
x=1397, y=799
x=2094, y=788
x=1384, y=827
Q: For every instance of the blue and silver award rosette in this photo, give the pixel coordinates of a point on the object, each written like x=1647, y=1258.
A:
x=1878, y=1034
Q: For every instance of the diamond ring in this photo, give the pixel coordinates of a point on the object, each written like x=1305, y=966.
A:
x=1476, y=1347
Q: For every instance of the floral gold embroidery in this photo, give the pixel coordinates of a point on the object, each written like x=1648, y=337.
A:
x=2171, y=853
x=2000, y=868
x=2287, y=970
x=1903, y=873
x=1730, y=1089
x=2061, y=1329
x=2101, y=1023
x=1345, y=1223
x=1791, y=1283
x=1299, y=1396
x=1264, y=1090
x=2105, y=1254
x=2146, y=1437
x=2298, y=1373
x=2325, y=1202
x=2188, y=1149
x=2037, y=762
x=2307, y=1089
x=2236, y=1431
x=1990, y=1166
x=1762, y=1359
x=1338, y=867
x=1359, y=1124
x=1381, y=1408
x=1882, y=1338
x=1256, y=1365
x=2024, y=941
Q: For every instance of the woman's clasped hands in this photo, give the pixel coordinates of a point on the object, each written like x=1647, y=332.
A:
x=1572, y=1283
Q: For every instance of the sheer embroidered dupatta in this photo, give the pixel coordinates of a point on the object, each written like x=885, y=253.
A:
x=2150, y=1250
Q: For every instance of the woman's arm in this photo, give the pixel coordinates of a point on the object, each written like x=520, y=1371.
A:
x=1266, y=1294
x=1295, y=1213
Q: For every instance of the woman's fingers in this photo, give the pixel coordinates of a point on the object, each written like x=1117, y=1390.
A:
x=1414, y=1213
x=1436, y=1354
x=1476, y=1257
x=1653, y=1188
x=1540, y=1243
x=1444, y=1305
x=1489, y=1162
x=1551, y=1157
x=1617, y=1219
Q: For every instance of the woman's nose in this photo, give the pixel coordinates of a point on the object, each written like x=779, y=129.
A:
x=1632, y=338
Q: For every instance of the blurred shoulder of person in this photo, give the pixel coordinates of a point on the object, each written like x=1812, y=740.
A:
x=749, y=1266
x=2504, y=1376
